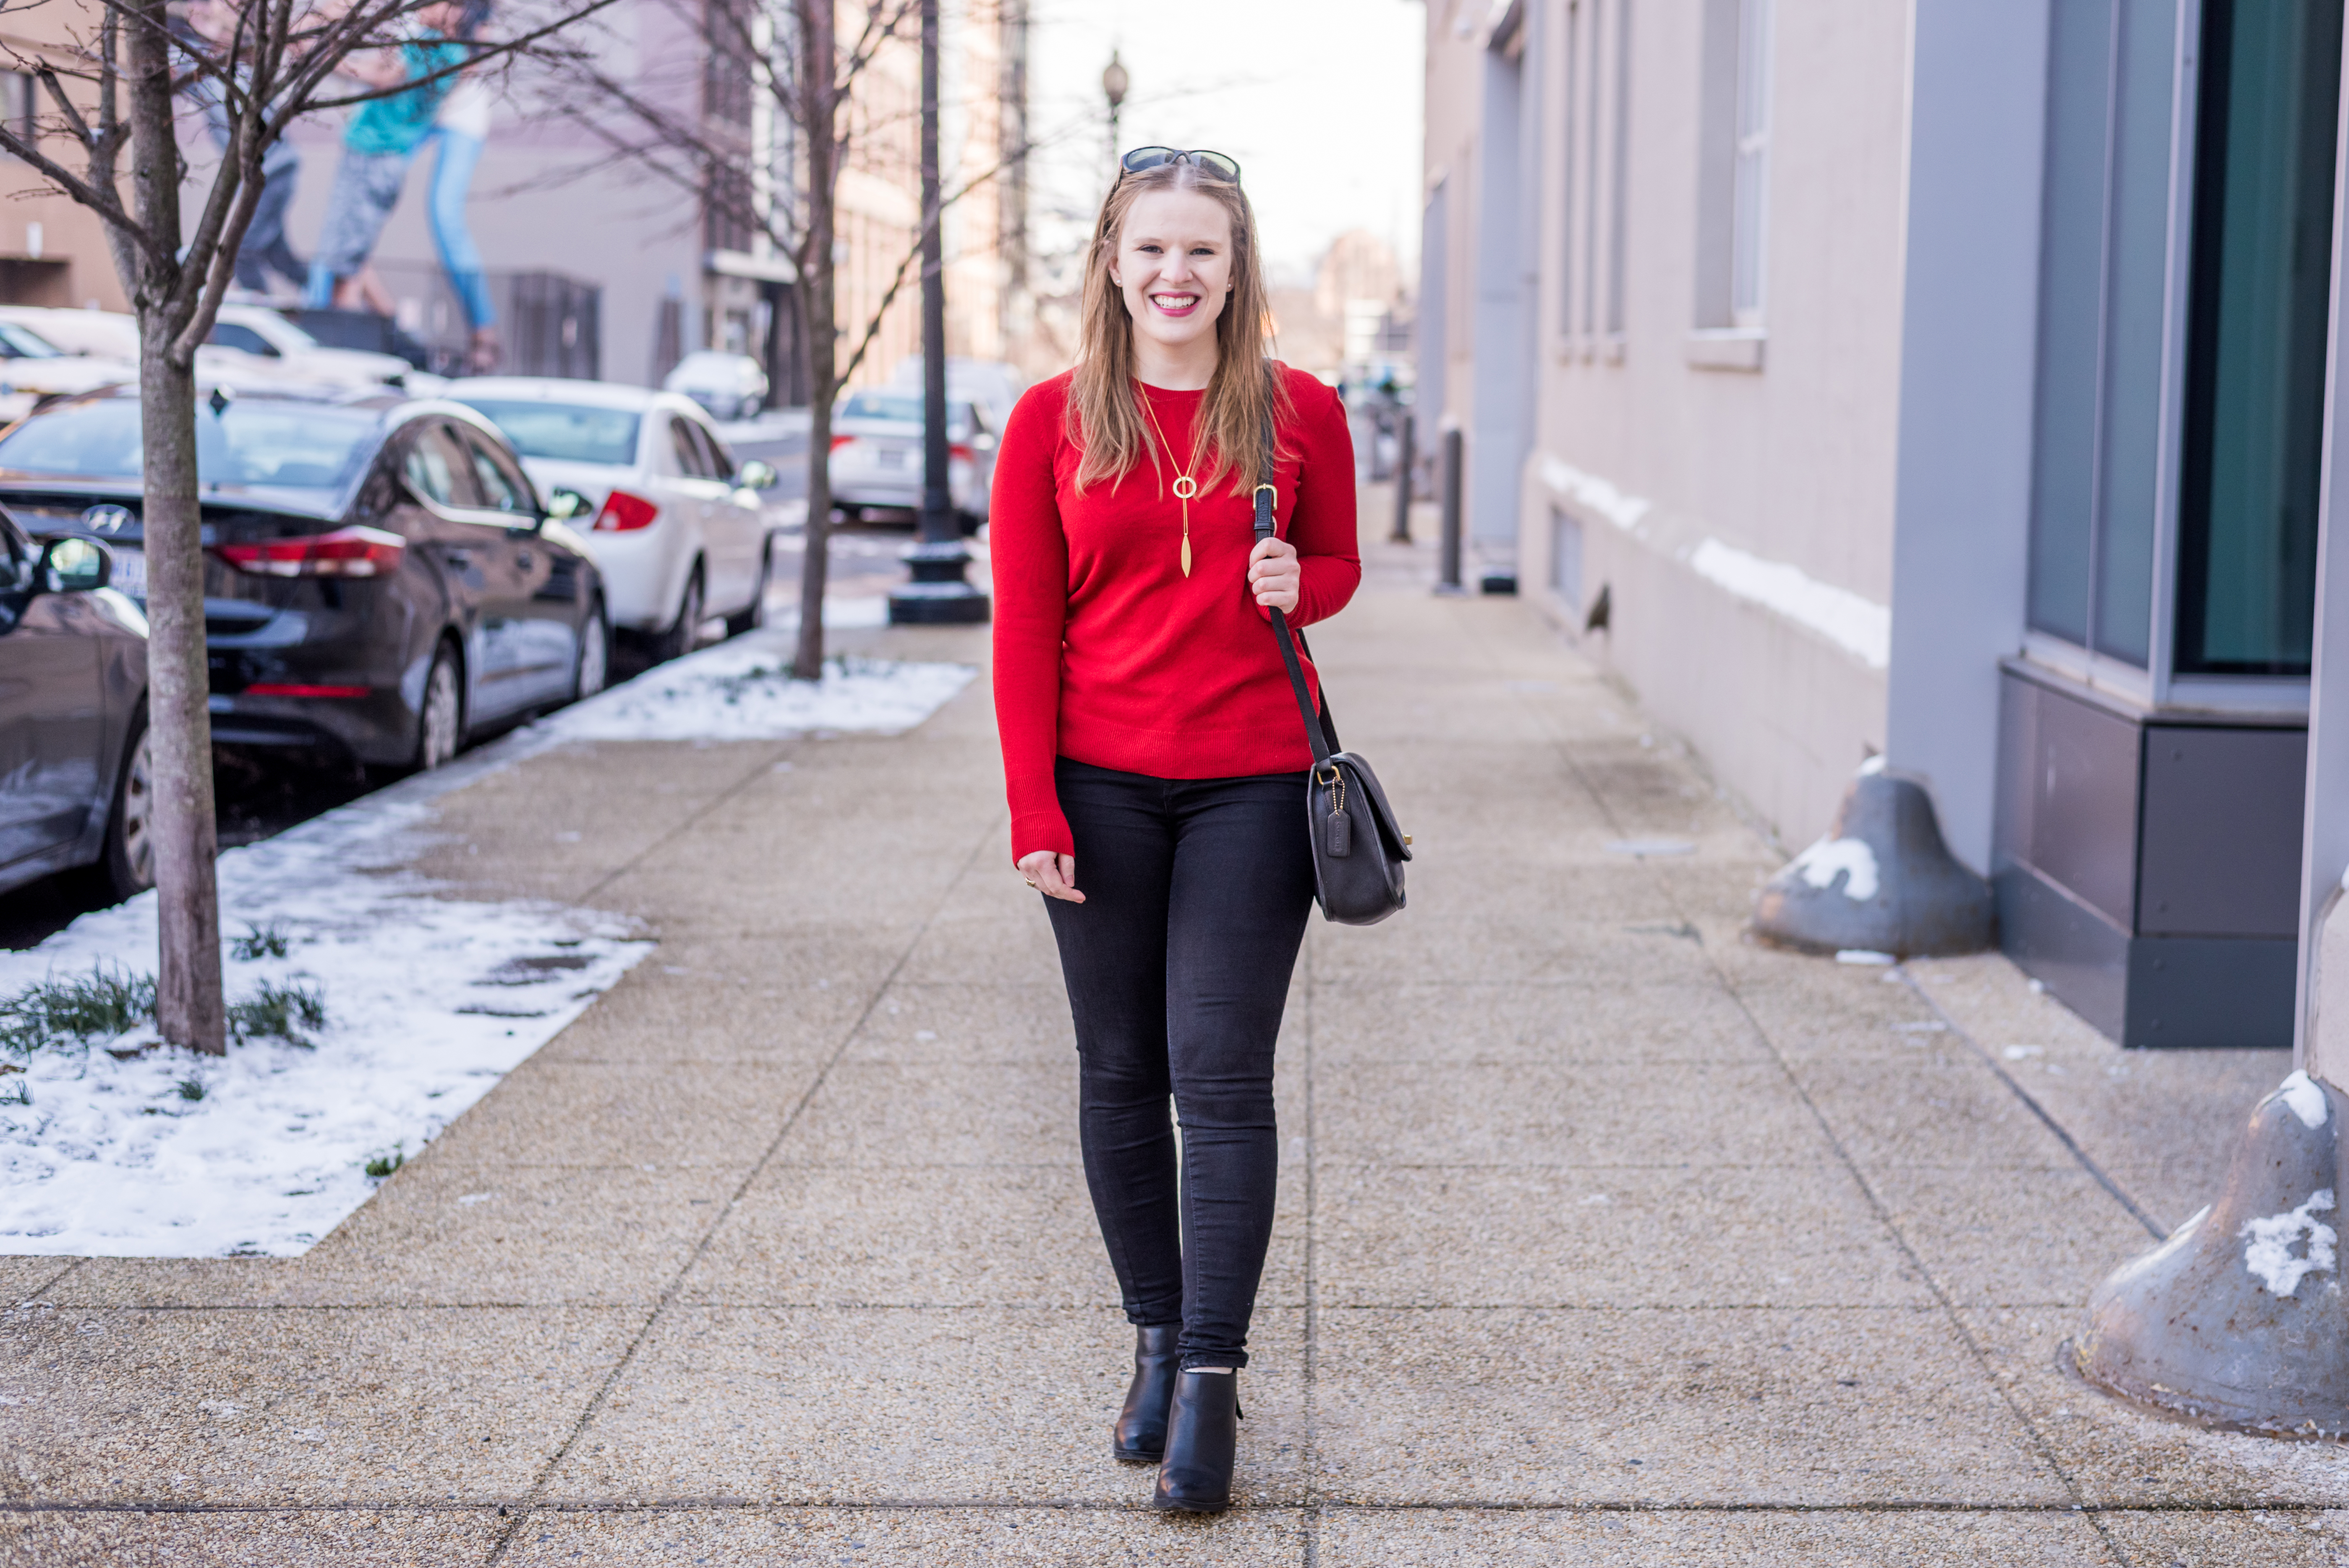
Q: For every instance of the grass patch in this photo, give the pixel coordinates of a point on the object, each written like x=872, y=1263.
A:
x=287, y=1012
x=103, y=1004
x=260, y=942
x=108, y=1003
x=383, y=1165
x=191, y=1088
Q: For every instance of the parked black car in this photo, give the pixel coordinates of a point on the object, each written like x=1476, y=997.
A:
x=379, y=575
x=75, y=787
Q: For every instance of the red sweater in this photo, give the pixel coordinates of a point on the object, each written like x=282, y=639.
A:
x=1105, y=652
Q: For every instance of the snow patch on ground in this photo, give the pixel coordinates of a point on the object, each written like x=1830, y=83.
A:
x=742, y=690
x=430, y=1001
x=1860, y=627
x=1849, y=858
x=2268, y=1244
x=2307, y=1101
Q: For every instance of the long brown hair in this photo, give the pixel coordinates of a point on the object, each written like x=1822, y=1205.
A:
x=1105, y=417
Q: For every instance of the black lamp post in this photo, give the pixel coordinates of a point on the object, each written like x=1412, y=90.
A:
x=1113, y=86
x=938, y=591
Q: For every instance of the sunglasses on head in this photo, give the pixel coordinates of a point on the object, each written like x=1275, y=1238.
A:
x=1212, y=163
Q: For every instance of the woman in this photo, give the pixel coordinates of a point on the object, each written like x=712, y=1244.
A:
x=463, y=130
x=1156, y=764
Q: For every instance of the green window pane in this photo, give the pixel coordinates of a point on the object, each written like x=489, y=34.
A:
x=2256, y=344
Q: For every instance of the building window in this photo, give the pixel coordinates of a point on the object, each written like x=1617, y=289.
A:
x=1752, y=162
x=729, y=219
x=20, y=104
x=728, y=82
x=1569, y=169
x=2255, y=343
x=1618, y=189
x=1733, y=172
x=2104, y=280
x=1565, y=559
x=1590, y=175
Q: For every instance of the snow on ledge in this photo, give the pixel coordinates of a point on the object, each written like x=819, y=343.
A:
x=1597, y=495
x=1860, y=627
x=429, y=1001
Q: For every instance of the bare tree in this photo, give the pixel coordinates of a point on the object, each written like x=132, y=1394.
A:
x=113, y=97
x=808, y=71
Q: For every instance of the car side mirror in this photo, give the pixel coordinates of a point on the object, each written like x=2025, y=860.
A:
x=564, y=504
x=756, y=475
x=73, y=565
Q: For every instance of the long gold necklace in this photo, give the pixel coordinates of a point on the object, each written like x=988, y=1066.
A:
x=1186, y=486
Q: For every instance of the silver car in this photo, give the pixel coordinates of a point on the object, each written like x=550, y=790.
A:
x=876, y=455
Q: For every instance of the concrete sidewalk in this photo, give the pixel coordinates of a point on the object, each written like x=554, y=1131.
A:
x=1604, y=1238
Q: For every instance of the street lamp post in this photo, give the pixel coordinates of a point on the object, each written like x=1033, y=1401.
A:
x=1113, y=86
x=938, y=591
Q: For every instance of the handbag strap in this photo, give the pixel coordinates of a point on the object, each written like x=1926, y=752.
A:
x=1318, y=734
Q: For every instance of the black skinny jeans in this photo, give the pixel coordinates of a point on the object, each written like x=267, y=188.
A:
x=1177, y=964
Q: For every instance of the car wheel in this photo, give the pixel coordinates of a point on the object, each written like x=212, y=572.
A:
x=755, y=616
x=677, y=641
x=594, y=655
x=440, y=727
x=129, y=859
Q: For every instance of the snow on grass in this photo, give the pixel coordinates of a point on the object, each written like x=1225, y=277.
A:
x=743, y=690
x=428, y=1002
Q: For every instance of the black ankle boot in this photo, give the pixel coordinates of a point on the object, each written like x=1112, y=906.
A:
x=1202, y=1435
x=1139, y=1433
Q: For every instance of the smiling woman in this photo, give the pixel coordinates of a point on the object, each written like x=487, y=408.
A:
x=1149, y=731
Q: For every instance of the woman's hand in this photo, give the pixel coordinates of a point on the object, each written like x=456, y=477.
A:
x=1054, y=876
x=1273, y=573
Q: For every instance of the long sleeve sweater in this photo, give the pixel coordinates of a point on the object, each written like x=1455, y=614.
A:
x=1105, y=652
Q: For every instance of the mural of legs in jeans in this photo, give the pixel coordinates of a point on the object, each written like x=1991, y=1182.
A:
x=460, y=131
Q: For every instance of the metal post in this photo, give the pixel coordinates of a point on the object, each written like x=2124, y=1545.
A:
x=1454, y=462
x=938, y=590
x=1405, y=458
x=1114, y=82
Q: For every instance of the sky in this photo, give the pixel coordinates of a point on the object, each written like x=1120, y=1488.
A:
x=1318, y=99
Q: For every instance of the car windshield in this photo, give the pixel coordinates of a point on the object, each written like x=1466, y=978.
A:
x=294, y=446
x=883, y=406
x=287, y=333
x=565, y=433
x=22, y=343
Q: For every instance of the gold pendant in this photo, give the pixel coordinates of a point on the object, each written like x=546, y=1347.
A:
x=1186, y=487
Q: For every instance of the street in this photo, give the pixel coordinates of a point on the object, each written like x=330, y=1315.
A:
x=1605, y=1235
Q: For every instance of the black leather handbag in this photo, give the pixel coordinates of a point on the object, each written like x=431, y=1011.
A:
x=1358, y=851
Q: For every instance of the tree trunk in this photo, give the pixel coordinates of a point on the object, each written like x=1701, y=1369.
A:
x=188, y=1007
x=820, y=102
x=187, y=1000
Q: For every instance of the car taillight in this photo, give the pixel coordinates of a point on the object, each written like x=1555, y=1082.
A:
x=345, y=552
x=624, y=512
x=838, y=442
x=961, y=451
x=288, y=688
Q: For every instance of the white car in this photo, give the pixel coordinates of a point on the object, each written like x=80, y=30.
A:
x=993, y=384
x=32, y=367
x=731, y=386
x=678, y=528
x=261, y=331
x=113, y=334
x=876, y=455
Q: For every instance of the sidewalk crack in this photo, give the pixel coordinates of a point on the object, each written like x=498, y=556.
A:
x=1974, y=1348
x=529, y=1502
